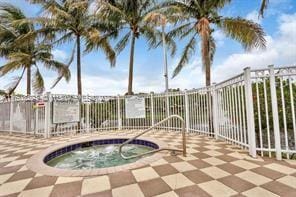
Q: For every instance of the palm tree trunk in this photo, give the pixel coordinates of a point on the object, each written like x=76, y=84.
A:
x=27, y=107
x=208, y=75
x=28, y=80
x=131, y=66
x=79, y=84
x=203, y=28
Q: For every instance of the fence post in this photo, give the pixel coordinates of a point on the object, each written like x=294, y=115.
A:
x=47, y=115
x=187, y=111
x=11, y=114
x=118, y=113
x=152, y=109
x=167, y=104
x=275, y=114
x=250, y=112
x=215, y=110
x=87, y=119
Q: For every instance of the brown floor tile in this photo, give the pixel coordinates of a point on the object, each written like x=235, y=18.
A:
x=266, y=161
x=67, y=189
x=280, y=189
x=191, y=191
x=165, y=169
x=3, y=164
x=272, y=174
x=16, y=155
x=226, y=158
x=201, y=155
x=201, y=148
x=230, y=168
x=11, y=195
x=121, y=178
x=238, y=195
x=199, y=163
x=24, y=157
x=107, y=193
x=11, y=169
x=197, y=176
x=236, y=183
x=41, y=181
x=225, y=151
x=172, y=159
x=154, y=187
x=22, y=175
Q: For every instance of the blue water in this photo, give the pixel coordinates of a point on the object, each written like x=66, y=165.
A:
x=97, y=157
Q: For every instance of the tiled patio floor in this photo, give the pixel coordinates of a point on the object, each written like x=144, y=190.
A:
x=212, y=168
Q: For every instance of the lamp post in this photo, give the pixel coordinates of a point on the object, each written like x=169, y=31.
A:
x=160, y=20
x=165, y=61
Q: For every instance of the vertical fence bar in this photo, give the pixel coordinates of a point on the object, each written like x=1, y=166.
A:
x=187, y=111
x=292, y=110
x=215, y=113
x=152, y=109
x=11, y=115
x=47, y=116
x=250, y=112
x=118, y=113
x=275, y=114
x=36, y=120
x=87, y=105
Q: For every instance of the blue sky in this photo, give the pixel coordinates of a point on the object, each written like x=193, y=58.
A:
x=279, y=24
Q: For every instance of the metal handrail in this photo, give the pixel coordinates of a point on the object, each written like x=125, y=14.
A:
x=161, y=149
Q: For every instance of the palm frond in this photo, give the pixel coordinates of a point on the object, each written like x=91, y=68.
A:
x=248, y=33
x=10, y=66
x=38, y=82
x=61, y=75
x=263, y=7
x=15, y=82
x=182, y=30
x=186, y=54
x=122, y=43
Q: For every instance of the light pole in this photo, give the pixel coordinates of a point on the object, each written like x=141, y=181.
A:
x=165, y=61
x=160, y=20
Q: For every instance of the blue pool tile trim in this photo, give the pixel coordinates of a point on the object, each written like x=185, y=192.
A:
x=70, y=148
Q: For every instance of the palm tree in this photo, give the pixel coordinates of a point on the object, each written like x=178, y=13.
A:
x=66, y=20
x=201, y=18
x=264, y=4
x=22, y=53
x=130, y=17
x=28, y=60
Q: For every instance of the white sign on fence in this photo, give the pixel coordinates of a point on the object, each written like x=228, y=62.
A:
x=66, y=112
x=135, y=107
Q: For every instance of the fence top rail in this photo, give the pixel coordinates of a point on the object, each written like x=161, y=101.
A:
x=278, y=71
x=230, y=81
x=276, y=68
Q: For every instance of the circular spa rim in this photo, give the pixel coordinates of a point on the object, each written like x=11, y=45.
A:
x=37, y=162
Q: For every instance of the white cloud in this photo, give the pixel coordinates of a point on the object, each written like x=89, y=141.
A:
x=219, y=37
x=280, y=50
x=253, y=16
x=59, y=55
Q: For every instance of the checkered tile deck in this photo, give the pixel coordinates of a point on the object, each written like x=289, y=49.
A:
x=212, y=168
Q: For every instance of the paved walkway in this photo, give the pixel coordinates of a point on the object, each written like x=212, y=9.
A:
x=212, y=168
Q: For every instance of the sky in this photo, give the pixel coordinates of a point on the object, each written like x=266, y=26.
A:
x=230, y=59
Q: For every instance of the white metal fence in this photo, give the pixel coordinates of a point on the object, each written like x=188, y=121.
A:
x=255, y=109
